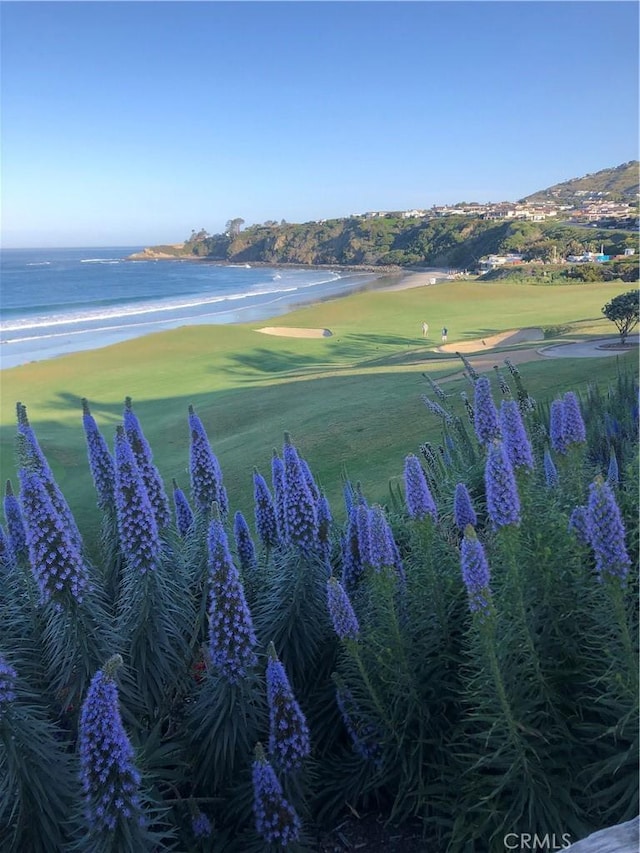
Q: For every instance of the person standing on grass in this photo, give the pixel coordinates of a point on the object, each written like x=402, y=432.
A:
x=444, y=334
x=425, y=330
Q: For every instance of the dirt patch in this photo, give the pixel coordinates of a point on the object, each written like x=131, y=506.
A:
x=514, y=336
x=286, y=332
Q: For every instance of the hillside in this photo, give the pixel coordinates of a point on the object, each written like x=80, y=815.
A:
x=455, y=236
x=619, y=183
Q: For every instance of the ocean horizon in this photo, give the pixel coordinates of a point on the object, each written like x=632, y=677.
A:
x=65, y=300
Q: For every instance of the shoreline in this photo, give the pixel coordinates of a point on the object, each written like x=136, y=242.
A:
x=381, y=279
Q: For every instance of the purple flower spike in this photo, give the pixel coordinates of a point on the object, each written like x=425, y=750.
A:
x=289, y=741
x=300, y=510
x=343, y=617
x=574, y=431
x=184, y=514
x=364, y=737
x=475, y=573
x=276, y=819
x=352, y=567
x=137, y=526
x=420, y=502
x=613, y=474
x=110, y=780
x=7, y=557
x=201, y=826
x=364, y=534
x=308, y=476
x=278, y=479
x=550, y=471
x=265, y=513
x=556, y=427
x=463, y=510
x=324, y=526
x=607, y=532
x=485, y=422
x=579, y=524
x=244, y=545
x=503, y=501
x=382, y=547
x=8, y=677
x=516, y=441
x=100, y=460
x=33, y=459
x=148, y=471
x=56, y=561
x=16, y=532
x=206, y=475
x=231, y=636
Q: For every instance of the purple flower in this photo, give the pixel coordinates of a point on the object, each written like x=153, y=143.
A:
x=364, y=736
x=278, y=479
x=137, y=526
x=550, y=471
x=503, y=501
x=100, y=460
x=475, y=573
x=276, y=819
x=613, y=474
x=299, y=506
x=8, y=677
x=289, y=741
x=485, y=420
x=201, y=826
x=502, y=382
x=420, y=502
x=382, y=547
x=17, y=535
x=349, y=496
x=184, y=514
x=7, y=557
x=148, y=471
x=33, y=459
x=556, y=427
x=516, y=441
x=324, y=526
x=308, y=476
x=231, y=636
x=110, y=780
x=574, y=431
x=244, y=544
x=56, y=560
x=364, y=534
x=471, y=371
x=579, y=524
x=343, y=617
x=463, y=510
x=607, y=532
x=436, y=409
x=265, y=513
x=206, y=475
x=352, y=567
x=468, y=407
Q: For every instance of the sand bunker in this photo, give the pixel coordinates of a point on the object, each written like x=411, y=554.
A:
x=589, y=349
x=287, y=332
x=515, y=336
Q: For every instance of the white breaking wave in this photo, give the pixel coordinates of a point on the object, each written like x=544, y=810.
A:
x=39, y=264
x=121, y=312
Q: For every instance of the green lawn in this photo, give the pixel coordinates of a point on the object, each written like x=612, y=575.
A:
x=349, y=400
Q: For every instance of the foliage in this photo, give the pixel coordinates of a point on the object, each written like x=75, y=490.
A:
x=624, y=311
x=475, y=668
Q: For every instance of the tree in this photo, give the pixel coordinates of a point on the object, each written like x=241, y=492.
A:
x=233, y=226
x=624, y=311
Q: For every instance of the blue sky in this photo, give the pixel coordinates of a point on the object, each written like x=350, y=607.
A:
x=132, y=123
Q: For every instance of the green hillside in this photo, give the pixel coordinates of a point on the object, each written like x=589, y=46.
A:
x=619, y=183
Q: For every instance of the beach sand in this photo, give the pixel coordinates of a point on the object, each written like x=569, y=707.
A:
x=424, y=278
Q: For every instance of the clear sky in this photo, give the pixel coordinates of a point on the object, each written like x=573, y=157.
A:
x=132, y=123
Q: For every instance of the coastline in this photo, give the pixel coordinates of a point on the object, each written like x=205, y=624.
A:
x=377, y=278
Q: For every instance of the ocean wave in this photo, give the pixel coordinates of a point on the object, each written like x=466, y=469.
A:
x=39, y=264
x=100, y=261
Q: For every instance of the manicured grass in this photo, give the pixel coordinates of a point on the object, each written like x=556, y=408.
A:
x=352, y=400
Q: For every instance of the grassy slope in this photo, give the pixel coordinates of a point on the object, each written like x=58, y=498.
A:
x=350, y=399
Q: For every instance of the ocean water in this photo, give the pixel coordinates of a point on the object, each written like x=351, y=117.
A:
x=57, y=301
